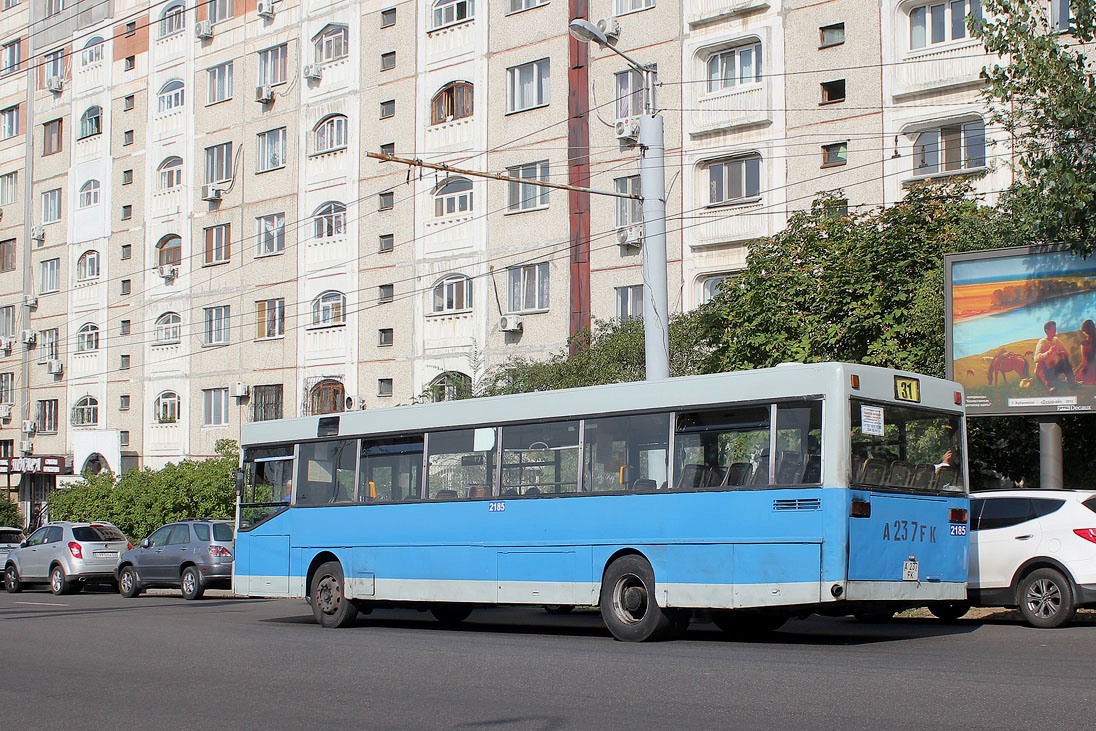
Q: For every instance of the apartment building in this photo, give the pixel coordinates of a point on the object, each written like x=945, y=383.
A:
x=192, y=234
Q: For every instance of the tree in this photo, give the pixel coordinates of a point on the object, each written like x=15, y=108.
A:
x=1044, y=95
x=9, y=514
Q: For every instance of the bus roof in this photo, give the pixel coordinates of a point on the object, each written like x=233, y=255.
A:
x=788, y=380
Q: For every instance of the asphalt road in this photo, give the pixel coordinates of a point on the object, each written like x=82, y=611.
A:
x=97, y=661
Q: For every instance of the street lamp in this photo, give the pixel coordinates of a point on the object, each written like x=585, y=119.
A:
x=652, y=190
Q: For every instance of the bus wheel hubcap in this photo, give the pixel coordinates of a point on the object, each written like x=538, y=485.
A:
x=328, y=595
x=631, y=599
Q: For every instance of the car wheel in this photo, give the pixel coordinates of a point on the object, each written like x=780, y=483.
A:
x=128, y=586
x=746, y=624
x=330, y=606
x=58, y=584
x=192, y=583
x=629, y=607
x=1046, y=600
x=948, y=611
x=11, y=580
x=451, y=614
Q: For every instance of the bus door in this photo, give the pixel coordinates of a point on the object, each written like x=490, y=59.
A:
x=261, y=561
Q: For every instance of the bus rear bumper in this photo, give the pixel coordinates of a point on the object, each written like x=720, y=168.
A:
x=906, y=591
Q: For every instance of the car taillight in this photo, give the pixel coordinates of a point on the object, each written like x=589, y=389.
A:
x=1089, y=534
x=76, y=549
x=129, y=546
x=220, y=551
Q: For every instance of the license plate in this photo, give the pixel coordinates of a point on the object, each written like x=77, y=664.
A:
x=909, y=571
x=106, y=554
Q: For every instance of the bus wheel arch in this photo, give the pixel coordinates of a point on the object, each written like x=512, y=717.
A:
x=628, y=601
x=318, y=560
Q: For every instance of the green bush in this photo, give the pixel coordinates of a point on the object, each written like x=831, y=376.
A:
x=10, y=514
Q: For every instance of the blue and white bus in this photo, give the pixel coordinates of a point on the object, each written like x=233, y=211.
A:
x=753, y=496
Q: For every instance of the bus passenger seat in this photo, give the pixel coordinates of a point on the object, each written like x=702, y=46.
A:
x=873, y=471
x=533, y=491
x=692, y=475
x=510, y=492
x=899, y=474
x=715, y=476
x=738, y=473
x=445, y=495
x=922, y=476
x=475, y=491
x=644, y=484
x=789, y=468
x=812, y=473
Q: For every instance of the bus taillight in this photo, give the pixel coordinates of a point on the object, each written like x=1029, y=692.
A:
x=958, y=397
x=860, y=509
x=958, y=515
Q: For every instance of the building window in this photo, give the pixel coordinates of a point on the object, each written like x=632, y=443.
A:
x=125, y=286
x=270, y=318
x=734, y=67
x=266, y=403
x=220, y=83
x=450, y=12
x=169, y=252
x=735, y=180
x=630, y=94
x=170, y=97
x=220, y=10
x=169, y=328
x=529, y=287
x=123, y=402
x=166, y=408
x=950, y=148
x=10, y=57
x=48, y=345
x=270, y=238
x=527, y=86
x=54, y=64
x=327, y=397
x=89, y=194
x=172, y=21
x=92, y=51
x=7, y=320
x=454, y=101
x=710, y=286
x=273, y=64
x=85, y=412
x=127, y=137
x=388, y=17
x=331, y=133
x=7, y=255
x=218, y=160
x=833, y=91
x=124, y=327
x=271, y=150
x=51, y=137
x=831, y=35
x=127, y=177
x=623, y=7
x=384, y=387
x=329, y=220
x=123, y=362
x=171, y=173
x=629, y=301
x=1060, y=15
x=516, y=6
x=128, y=102
x=388, y=61
x=7, y=387
x=45, y=416
x=388, y=148
x=87, y=266
x=453, y=196
x=941, y=22
x=329, y=309
x=215, y=407
x=9, y=188
x=332, y=43
x=131, y=28
x=386, y=293
x=127, y=251
x=527, y=196
x=123, y=438
x=835, y=154
x=51, y=206
x=386, y=243
x=386, y=200
x=385, y=337
x=217, y=327
x=629, y=211
x=9, y=122
x=218, y=244
x=87, y=338
x=452, y=294
x=91, y=122
x=129, y=63
x=388, y=108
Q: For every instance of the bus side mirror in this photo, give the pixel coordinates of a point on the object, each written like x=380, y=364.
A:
x=240, y=481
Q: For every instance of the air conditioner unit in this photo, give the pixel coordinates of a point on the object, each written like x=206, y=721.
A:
x=29, y=426
x=211, y=192
x=55, y=84
x=6, y=343
x=510, y=323
x=630, y=235
x=29, y=300
x=239, y=390
x=55, y=367
x=5, y=411
x=265, y=9
x=37, y=233
x=26, y=447
x=627, y=129
x=28, y=337
x=264, y=93
x=203, y=29
x=167, y=271
x=313, y=71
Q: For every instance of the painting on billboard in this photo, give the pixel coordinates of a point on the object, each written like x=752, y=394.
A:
x=1021, y=337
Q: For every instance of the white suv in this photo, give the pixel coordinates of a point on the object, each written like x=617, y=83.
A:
x=1034, y=549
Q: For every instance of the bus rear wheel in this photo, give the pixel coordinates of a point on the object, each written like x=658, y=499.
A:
x=629, y=607
x=330, y=606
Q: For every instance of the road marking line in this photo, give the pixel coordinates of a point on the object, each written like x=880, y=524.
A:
x=43, y=604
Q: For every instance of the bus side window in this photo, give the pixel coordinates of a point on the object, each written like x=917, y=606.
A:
x=326, y=472
x=389, y=470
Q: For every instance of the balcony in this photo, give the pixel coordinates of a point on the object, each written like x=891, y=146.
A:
x=449, y=234
x=165, y=360
x=326, y=344
x=169, y=124
x=709, y=11
x=936, y=68
x=85, y=365
x=164, y=437
x=91, y=147
x=452, y=136
x=326, y=166
x=330, y=252
x=453, y=40
x=167, y=202
x=734, y=223
x=448, y=331
x=89, y=77
x=731, y=108
x=88, y=294
x=172, y=48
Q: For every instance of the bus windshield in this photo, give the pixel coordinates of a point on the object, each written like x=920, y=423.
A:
x=906, y=448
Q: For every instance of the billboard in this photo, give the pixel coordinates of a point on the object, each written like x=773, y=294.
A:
x=1019, y=330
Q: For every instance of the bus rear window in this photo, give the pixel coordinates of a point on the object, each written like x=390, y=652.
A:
x=906, y=448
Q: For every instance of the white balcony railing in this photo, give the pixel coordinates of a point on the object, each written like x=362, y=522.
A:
x=736, y=107
x=452, y=136
x=327, y=253
x=937, y=68
x=164, y=437
x=169, y=124
x=734, y=223
x=323, y=344
x=707, y=11
x=450, y=41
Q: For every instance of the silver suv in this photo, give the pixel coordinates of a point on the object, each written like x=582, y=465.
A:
x=192, y=555
x=9, y=538
x=65, y=555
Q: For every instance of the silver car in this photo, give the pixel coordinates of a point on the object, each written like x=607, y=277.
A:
x=65, y=555
x=191, y=555
x=9, y=538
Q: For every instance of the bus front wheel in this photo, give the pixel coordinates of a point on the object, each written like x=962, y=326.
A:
x=329, y=603
x=629, y=607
